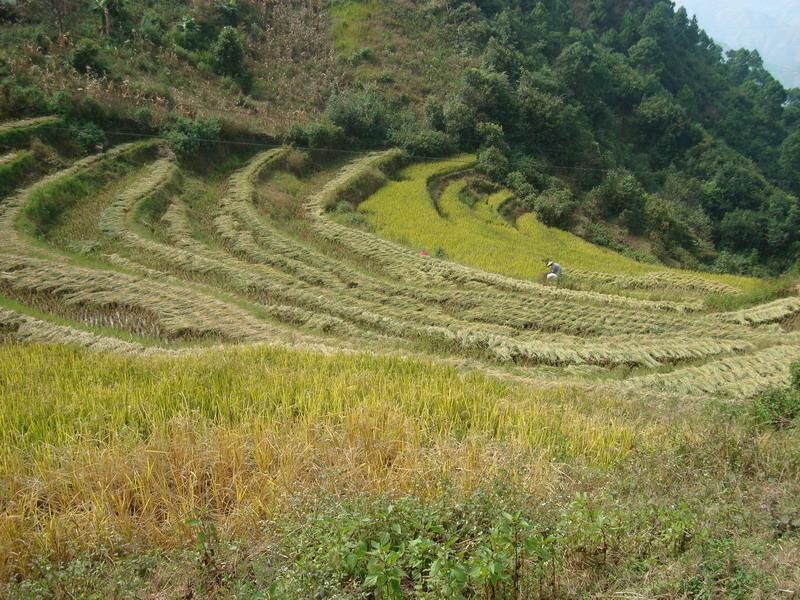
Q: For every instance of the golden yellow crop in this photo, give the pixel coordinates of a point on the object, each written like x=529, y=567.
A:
x=110, y=449
x=403, y=211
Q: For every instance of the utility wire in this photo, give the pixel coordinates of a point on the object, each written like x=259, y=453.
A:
x=267, y=146
x=419, y=157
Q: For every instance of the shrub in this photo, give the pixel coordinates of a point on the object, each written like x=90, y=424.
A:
x=493, y=162
x=143, y=117
x=297, y=162
x=345, y=214
x=599, y=234
x=377, y=547
x=77, y=108
x=186, y=136
x=555, y=207
x=778, y=409
x=663, y=221
x=87, y=58
x=152, y=27
x=89, y=136
x=517, y=182
x=315, y=134
x=26, y=100
x=361, y=113
x=426, y=142
x=63, y=103
x=620, y=191
x=191, y=35
x=229, y=10
x=735, y=263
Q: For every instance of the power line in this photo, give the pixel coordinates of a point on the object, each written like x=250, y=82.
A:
x=267, y=146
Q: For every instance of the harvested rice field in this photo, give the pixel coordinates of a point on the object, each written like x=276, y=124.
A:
x=250, y=382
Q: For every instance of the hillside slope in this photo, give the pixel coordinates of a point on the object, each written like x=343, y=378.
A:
x=626, y=125
x=211, y=386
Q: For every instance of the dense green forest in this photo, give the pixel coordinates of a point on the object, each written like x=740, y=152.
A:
x=624, y=122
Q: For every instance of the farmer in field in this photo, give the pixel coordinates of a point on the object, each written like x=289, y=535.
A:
x=555, y=271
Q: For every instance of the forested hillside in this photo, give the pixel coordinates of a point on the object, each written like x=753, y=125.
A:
x=623, y=122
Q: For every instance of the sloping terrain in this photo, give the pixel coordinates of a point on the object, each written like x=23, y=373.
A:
x=161, y=270
x=213, y=381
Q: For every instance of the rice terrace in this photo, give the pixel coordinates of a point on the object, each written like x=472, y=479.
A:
x=263, y=359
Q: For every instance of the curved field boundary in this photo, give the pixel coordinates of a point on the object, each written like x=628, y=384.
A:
x=241, y=277
x=734, y=377
x=14, y=167
x=13, y=133
x=665, y=281
x=400, y=262
x=11, y=240
x=176, y=313
x=646, y=352
x=771, y=312
x=23, y=328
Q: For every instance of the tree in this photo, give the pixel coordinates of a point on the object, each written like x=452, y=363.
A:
x=620, y=192
x=488, y=94
x=666, y=127
x=783, y=231
x=491, y=134
x=460, y=122
x=53, y=11
x=646, y=55
x=742, y=230
x=582, y=71
x=790, y=160
x=545, y=118
x=104, y=6
x=228, y=53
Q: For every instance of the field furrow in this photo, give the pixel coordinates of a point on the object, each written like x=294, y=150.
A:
x=169, y=273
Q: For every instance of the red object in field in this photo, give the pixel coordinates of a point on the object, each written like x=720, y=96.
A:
x=424, y=253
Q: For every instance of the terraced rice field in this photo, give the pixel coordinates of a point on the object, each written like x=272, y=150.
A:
x=112, y=252
x=189, y=354
x=404, y=211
